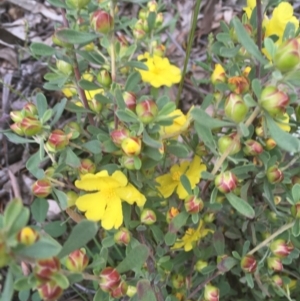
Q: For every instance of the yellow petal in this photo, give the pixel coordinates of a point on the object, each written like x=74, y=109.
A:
x=113, y=217
x=167, y=185
x=131, y=195
x=182, y=193
x=120, y=177
x=91, y=182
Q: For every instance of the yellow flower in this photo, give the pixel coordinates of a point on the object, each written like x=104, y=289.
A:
x=180, y=124
x=249, y=8
x=218, y=75
x=160, y=72
x=105, y=205
x=171, y=181
x=191, y=237
x=69, y=91
x=283, y=122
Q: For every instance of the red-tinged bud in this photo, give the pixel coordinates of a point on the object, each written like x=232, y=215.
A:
x=193, y=204
x=57, y=140
x=280, y=248
x=227, y=141
x=270, y=144
x=64, y=67
x=148, y=217
x=86, y=166
x=159, y=20
x=122, y=237
x=200, y=265
x=277, y=280
x=71, y=198
x=109, y=279
x=131, y=291
x=178, y=281
x=171, y=213
x=31, y=126
x=128, y=162
x=275, y=264
x=16, y=116
x=78, y=4
x=130, y=100
x=235, y=108
x=273, y=100
x=131, y=146
x=143, y=14
x=146, y=111
x=46, y=268
x=295, y=210
x=102, y=21
x=139, y=34
x=117, y=136
x=120, y=290
x=77, y=261
x=27, y=236
x=30, y=109
x=41, y=188
x=252, y=148
x=287, y=55
x=274, y=175
x=226, y=182
x=95, y=105
x=104, y=78
x=238, y=84
x=49, y=291
x=248, y=264
x=72, y=128
x=209, y=217
x=277, y=199
x=211, y=293
x=152, y=6
x=16, y=128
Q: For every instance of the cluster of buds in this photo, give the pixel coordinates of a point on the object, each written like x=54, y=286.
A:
x=77, y=261
x=45, y=271
x=248, y=264
x=111, y=282
x=57, y=140
x=235, y=108
x=227, y=141
x=26, y=122
x=101, y=21
x=42, y=188
x=226, y=182
x=27, y=236
x=211, y=293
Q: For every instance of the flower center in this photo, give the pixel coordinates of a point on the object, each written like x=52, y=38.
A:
x=110, y=194
x=176, y=176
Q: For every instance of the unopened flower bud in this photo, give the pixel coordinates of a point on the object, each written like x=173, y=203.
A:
x=143, y=14
x=130, y=100
x=41, y=188
x=277, y=199
x=95, y=106
x=248, y=264
x=277, y=280
x=102, y=21
x=104, y=78
x=131, y=146
x=209, y=217
x=31, y=126
x=252, y=148
x=270, y=144
x=57, y=140
x=211, y=293
x=275, y=264
x=122, y=237
x=139, y=34
x=235, y=108
x=287, y=55
x=226, y=182
x=295, y=210
x=159, y=20
x=86, y=166
x=128, y=162
x=218, y=75
x=77, y=261
x=117, y=136
x=280, y=248
x=227, y=141
x=158, y=49
x=274, y=175
x=46, y=268
x=71, y=198
x=73, y=128
x=200, y=265
x=259, y=131
x=30, y=109
x=146, y=111
x=49, y=291
x=171, y=213
x=178, y=281
x=78, y=4
x=16, y=128
x=27, y=236
x=152, y=6
x=148, y=217
x=238, y=84
x=109, y=279
x=193, y=204
x=273, y=100
x=16, y=116
x=131, y=291
x=64, y=67
x=120, y=290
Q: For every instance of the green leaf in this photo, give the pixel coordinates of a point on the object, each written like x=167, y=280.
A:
x=296, y=193
x=219, y=242
x=178, y=149
x=249, y=280
x=186, y=184
x=296, y=228
x=41, y=103
x=151, y=20
x=41, y=49
x=227, y=264
x=58, y=110
x=61, y=280
x=47, y=115
x=20, y=222
x=167, y=109
x=134, y=259
x=229, y=52
x=55, y=229
x=127, y=116
x=81, y=234
x=39, y=209
x=246, y=41
x=150, y=141
x=88, y=85
x=22, y=284
x=72, y=107
x=58, y=3
x=75, y=37
x=256, y=87
x=61, y=197
x=71, y=158
x=102, y=99
x=270, y=47
x=17, y=139
x=120, y=100
x=24, y=295
x=240, y=205
x=8, y=289
x=137, y=163
x=108, y=242
x=283, y=139
x=137, y=65
x=94, y=146
x=12, y=211
x=132, y=81
x=178, y=221
x=101, y=296
x=92, y=57
x=43, y=248
x=170, y=238
x=144, y=291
